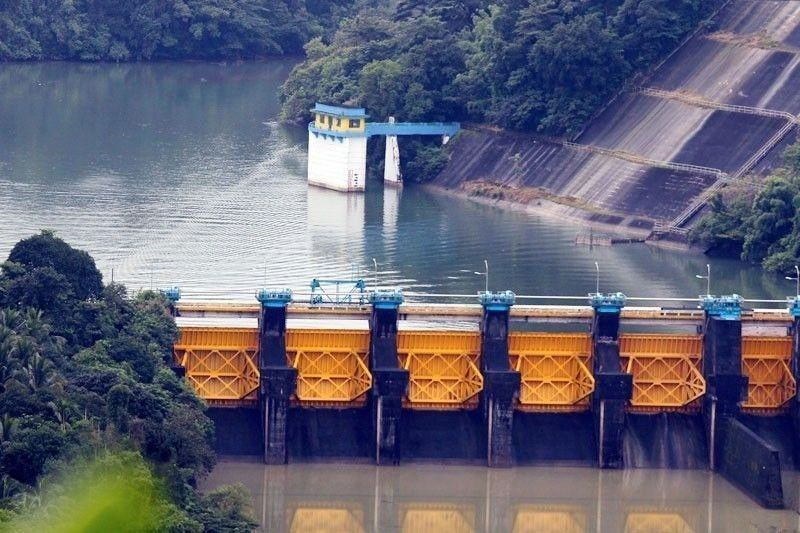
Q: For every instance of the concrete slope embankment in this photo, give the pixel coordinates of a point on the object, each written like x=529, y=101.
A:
x=631, y=171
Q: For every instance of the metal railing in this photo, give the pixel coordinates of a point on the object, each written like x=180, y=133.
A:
x=641, y=160
x=677, y=223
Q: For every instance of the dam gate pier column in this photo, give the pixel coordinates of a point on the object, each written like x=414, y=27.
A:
x=173, y=296
x=726, y=387
x=794, y=310
x=389, y=380
x=735, y=451
x=613, y=387
x=501, y=384
x=278, y=379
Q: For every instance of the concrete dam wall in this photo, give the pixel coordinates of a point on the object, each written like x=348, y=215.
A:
x=719, y=108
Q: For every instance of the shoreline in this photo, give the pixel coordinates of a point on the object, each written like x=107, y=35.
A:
x=555, y=211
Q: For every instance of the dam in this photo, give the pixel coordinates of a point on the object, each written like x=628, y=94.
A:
x=603, y=384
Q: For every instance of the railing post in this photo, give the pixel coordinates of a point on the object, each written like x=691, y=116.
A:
x=501, y=383
x=389, y=381
x=613, y=387
x=278, y=379
x=726, y=387
x=794, y=310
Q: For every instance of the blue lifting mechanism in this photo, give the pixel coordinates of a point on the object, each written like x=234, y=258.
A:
x=794, y=306
x=607, y=303
x=347, y=292
x=274, y=297
x=173, y=294
x=725, y=307
x=497, y=301
x=386, y=298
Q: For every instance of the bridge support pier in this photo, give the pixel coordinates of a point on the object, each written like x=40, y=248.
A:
x=389, y=382
x=278, y=379
x=501, y=384
x=613, y=388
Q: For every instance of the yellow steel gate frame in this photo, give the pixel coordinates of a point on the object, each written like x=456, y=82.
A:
x=443, y=368
x=554, y=368
x=221, y=363
x=666, y=371
x=332, y=366
x=766, y=362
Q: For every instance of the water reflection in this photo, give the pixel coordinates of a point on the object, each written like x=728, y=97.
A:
x=419, y=498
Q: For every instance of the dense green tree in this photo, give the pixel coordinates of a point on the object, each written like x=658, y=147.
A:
x=760, y=227
x=103, y=30
x=45, y=251
x=534, y=65
x=84, y=369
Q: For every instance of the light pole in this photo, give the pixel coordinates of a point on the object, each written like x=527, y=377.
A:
x=796, y=278
x=707, y=277
x=597, y=278
x=375, y=262
x=485, y=274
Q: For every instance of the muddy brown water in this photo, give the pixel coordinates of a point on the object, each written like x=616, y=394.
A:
x=431, y=497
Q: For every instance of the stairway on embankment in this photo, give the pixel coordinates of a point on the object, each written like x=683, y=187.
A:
x=720, y=107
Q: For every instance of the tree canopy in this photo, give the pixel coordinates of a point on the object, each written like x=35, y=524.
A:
x=84, y=369
x=531, y=65
x=536, y=65
x=113, y=30
x=761, y=227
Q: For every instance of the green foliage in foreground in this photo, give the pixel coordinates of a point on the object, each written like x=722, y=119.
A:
x=119, y=492
x=535, y=65
x=762, y=228
x=111, y=30
x=83, y=370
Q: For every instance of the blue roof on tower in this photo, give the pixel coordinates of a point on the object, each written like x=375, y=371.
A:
x=341, y=111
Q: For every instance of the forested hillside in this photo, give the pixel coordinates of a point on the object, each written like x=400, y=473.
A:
x=84, y=377
x=759, y=226
x=534, y=65
x=122, y=30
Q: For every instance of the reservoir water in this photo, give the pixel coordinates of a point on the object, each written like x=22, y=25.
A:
x=182, y=174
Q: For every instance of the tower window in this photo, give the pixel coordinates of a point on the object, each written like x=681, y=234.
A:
x=355, y=123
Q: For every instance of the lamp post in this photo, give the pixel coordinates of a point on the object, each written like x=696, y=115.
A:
x=597, y=278
x=707, y=277
x=485, y=273
x=796, y=278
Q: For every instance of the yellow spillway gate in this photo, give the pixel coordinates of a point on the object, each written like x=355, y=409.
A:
x=666, y=371
x=443, y=368
x=766, y=362
x=555, y=370
x=221, y=363
x=332, y=366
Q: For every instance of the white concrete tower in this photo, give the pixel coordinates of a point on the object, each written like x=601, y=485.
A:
x=391, y=162
x=337, y=148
